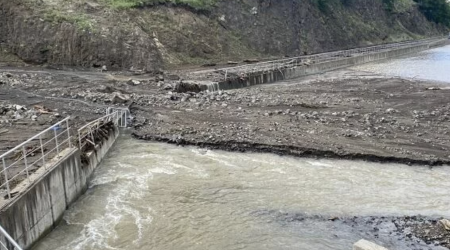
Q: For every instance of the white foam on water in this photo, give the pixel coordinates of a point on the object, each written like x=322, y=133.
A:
x=319, y=164
x=160, y=170
x=99, y=232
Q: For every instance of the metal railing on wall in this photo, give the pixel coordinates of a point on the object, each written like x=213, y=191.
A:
x=319, y=58
x=7, y=242
x=88, y=131
x=23, y=160
x=19, y=163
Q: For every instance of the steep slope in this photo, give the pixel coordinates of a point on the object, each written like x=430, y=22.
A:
x=102, y=32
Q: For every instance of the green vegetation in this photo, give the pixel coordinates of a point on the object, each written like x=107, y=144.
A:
x=437, y=11
x=195, y=4
x=326, y=6
x=81, y=21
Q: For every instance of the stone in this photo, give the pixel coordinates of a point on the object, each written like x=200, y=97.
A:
x=445, y=223
x=173, y=77
x=133, y=82
x=167, y=86
x=43, y=120
x=119, y=98
x=367, y=245
x=19, y=107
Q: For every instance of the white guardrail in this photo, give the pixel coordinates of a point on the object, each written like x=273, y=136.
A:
x=8, y=243
x=20, y=162
x=118, y=116
x=23, y=160
x=320, y=58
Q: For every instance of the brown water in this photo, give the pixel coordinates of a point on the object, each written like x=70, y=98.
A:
x=158, y=196
x=431, y=64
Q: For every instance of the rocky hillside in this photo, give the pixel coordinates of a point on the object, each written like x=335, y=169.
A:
x=149, y=36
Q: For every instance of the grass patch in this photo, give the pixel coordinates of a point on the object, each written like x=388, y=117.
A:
x=195, y=4
x=81, y=21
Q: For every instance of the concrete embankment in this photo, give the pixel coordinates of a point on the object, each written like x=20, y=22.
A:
x=287, y=72
x=39, y=208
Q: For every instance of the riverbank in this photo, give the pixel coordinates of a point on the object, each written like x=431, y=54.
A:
x=343, y=114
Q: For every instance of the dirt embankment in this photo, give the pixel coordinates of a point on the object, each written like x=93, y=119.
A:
x=343, y=114
x=92, y=33
x=355, y=116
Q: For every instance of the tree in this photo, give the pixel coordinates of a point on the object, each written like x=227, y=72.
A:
x=437, y=11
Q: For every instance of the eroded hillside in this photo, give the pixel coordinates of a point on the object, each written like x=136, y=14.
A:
x=151, y=36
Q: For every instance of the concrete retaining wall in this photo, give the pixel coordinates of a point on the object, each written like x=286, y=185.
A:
x=37, y=210
x=295, y=72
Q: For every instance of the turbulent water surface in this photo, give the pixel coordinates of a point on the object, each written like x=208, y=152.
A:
x=431, y=64
x=158, y=196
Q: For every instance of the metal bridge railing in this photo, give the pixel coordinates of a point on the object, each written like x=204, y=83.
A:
x=7, y=242
x=86, y=133
x=123, y=114
x=20, y=162
x=320, y=58
x=116, y=115
x=23, y=160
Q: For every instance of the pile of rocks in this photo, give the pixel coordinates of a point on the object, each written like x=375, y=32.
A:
x=12, y=113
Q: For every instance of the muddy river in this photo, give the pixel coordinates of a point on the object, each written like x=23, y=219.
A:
x=158, y=196
x=432, y=65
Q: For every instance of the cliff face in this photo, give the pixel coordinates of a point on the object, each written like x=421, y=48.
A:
x=93, y=33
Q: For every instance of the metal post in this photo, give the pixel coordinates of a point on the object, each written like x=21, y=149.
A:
x=5, y=170
x=226, y=74
x=42, y=151
x=26, y=163
x=10, y=239
x=92, y=135
x=68, y=133
x=56, y=140
x=79, y=139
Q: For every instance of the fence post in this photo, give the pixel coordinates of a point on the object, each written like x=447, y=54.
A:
x=68, y=133
x=79, y=139
x=26, y=163
x=56, y=139
x=42, y=151
x=5, y=170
